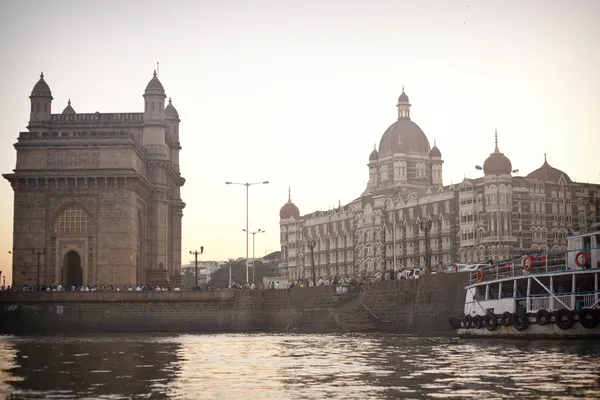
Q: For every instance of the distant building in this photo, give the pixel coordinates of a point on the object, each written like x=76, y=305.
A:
x=205, y=269
x=498, y=216
x=97, y=195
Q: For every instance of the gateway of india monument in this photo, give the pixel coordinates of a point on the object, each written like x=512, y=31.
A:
x=407, y=218
x=97, y=195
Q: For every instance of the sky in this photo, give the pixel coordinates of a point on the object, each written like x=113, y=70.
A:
x=298, y=92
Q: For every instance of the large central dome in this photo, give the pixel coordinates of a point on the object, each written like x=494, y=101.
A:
x=406, y=132
x=404, y=136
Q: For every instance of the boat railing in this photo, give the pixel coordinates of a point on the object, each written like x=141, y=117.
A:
x=553, y=301
x=553, y=261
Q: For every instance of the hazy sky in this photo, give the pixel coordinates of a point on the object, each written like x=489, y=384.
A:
x=297, y=92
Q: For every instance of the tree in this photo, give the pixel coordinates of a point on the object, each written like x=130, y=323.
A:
x=220, y=278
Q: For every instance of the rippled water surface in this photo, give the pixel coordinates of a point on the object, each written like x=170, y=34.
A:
x=239, y=366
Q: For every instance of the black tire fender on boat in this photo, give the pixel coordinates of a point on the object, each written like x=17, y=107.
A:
x=491, y=322
x=467, y=322
x=478, y=321
x=520, y=321
x=542, y=317
x=506, y=318
x=563, y=318
x=588, y=318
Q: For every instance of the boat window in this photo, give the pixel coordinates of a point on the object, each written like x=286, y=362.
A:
x=587, y=242
x=536, y=288
x=584, y=283
x=521, y=288
x=562, y=284
x=480, y=292
x=597, y=244
x=493, y=292
x=507, y=289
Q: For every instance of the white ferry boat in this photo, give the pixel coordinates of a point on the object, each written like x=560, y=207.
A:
x=551, y=295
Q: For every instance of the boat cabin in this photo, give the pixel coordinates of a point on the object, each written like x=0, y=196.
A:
x=583, y=251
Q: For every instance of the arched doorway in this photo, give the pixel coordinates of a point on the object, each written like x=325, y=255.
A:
x=74, y=272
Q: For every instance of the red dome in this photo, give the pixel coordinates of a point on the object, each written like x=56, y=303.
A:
x=374, y=155
x=289, y=209
x=497, y=164
x=548, y=173
x=435, y=152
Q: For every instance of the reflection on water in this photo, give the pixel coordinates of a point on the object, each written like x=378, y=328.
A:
x=294, y=366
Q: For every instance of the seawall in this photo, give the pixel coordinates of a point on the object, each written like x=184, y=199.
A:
x=416, y=306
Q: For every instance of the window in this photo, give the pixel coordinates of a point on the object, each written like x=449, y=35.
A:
x=72, y=219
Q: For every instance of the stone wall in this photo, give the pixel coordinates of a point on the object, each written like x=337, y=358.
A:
x=416, y=306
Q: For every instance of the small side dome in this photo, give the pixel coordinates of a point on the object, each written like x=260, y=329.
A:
x=289, y=209
x=547, y=173
x=374, y=155
x=68, y=109
x=41, y=89
x=154, y=87
x=171, y=111
x=435, y=152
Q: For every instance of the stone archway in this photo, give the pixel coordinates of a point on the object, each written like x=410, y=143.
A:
x=73, y=270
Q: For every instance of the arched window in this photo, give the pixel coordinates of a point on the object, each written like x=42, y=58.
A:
x=72, y=219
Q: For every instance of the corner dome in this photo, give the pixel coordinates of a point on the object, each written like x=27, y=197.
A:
x=406, y=133
x=41, y=89
x=435, y=152
x=497, y=163
x=68, y=109
x=171, y=111
x=548, y=173
x=374, y=155
x=289, y=209
x=154, y=87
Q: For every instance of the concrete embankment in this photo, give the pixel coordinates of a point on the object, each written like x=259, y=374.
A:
x=415, y=306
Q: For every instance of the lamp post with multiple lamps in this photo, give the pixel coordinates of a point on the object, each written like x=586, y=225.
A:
x=253, y=260
x=38, y=252
x=247, y=184
x=497, y=179
x=311, y=243
x=195, y=253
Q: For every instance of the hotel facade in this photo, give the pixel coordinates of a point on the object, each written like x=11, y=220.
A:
x=407, y=217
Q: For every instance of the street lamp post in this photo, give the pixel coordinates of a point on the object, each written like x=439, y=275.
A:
x=195, y=253
x=114, y=275
x=38, y=253
x=311, y=245
x=253, y=260
x=426, y=227
x=247, y=184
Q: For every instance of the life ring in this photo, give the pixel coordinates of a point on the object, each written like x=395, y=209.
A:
x=467, y=321
x=563, y=318
x=506, y=318
x=588, y=318
x=527, y=266
x=480, y=275
x=491, y=322
x=520, y=321
x=542, y=317
x=585, y=259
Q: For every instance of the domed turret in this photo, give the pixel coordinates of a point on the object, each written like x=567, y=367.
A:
x=403, y=97
x=155, y=88
x=374, y=154
x=548, y=173
x=289, y=209
x=41, y=89
x=435, y=152
x=41, y=103
x=171, y=111
x=68, y=109
x=497, y=163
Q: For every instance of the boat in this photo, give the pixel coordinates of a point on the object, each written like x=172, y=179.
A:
x=550, y=295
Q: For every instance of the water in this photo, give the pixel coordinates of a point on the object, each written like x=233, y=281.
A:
x=266, y=366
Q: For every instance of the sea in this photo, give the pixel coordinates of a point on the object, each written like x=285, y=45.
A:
x=287, y=366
